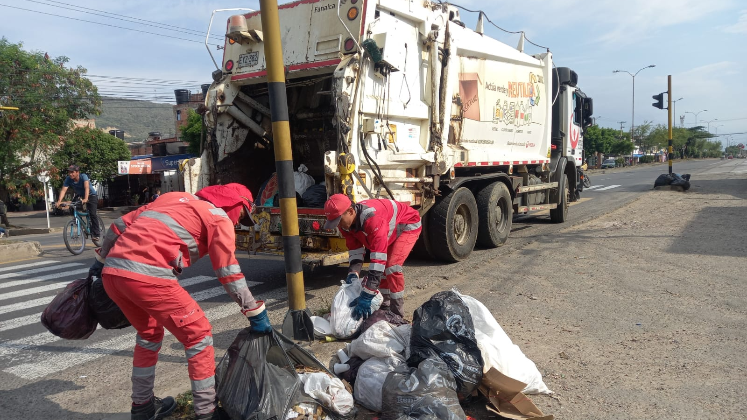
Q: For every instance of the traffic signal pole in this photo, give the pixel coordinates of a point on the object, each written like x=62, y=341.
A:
x=669, y=113
x=297, y=322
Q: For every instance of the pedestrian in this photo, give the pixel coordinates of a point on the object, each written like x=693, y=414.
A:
x=82, y=187
x=145, y=199
x=389, y=229
x=3, y=214
x=143, y=253
x=156, y=195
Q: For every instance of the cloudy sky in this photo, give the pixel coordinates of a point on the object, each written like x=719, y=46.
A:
x=702, y=44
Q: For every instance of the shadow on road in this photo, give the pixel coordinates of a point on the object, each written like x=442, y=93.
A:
x=28, y=401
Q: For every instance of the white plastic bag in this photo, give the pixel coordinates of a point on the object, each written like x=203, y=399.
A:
x=330, y=392
x=370, y=380
x=302, y=180
x=500, y=352
x=381, y=340
x=341, y=314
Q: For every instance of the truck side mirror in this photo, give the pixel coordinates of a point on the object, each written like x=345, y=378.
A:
x=588, y=105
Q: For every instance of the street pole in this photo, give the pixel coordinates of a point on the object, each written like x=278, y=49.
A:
x=669, y=115
x=674, y=105
x=632, y=123
x=297, y=322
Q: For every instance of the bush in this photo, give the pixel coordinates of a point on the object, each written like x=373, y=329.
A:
x=620, y=162
x=646, y=159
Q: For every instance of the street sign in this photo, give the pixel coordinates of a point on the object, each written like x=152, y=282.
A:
x=740, y=145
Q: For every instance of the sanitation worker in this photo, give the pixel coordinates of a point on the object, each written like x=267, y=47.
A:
x=140, y=259
x=389, y=229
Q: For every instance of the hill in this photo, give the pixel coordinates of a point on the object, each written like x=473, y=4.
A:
x=136, y=118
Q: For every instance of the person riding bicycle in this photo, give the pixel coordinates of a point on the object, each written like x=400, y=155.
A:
x=82, y=186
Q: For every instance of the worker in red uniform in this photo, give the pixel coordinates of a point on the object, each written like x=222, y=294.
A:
x=389, y=229
x=143, y=253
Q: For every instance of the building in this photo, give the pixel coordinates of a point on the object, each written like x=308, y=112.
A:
x=185, y=100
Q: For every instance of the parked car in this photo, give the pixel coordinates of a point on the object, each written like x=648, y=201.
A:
x=730, y=157
x=608, y=163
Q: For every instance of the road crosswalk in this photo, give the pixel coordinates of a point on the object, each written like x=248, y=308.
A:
x=597, y=188
x=33, y=353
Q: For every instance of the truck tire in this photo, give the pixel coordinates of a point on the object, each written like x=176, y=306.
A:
x=453, y=226
x=560, y=214
x=422, y=248
x=495, y=212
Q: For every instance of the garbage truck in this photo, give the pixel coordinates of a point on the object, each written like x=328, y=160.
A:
x=397, y=100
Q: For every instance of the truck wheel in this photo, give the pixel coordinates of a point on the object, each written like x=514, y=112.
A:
x=453, y=226
x=495, y=213
x=560, y=214
x=422, y=248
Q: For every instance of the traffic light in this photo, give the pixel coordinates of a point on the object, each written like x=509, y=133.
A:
x=659, y=101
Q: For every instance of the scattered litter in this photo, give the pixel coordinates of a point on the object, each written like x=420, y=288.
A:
x=328, y=391
x=322, y=327
x=381, y=340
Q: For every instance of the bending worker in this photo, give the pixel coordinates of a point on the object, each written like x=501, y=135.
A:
x=389, y=229
x=140, y=259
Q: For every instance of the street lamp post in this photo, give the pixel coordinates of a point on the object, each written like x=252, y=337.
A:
x=44, y=178
x=696, y=114
x=715, y=127
x=632, y=121
x=709, y=123
x=674, y=107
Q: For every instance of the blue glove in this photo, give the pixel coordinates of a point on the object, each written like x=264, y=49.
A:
x=351, y=278
x=95, y=270
x=362, y=304
x=258, y=319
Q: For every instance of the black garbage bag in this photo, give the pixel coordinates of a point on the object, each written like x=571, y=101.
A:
x=443, y=327
x=106, y=312
x=673, y=179
x=315, y=196
x=69, y=316
x=425, y=392
x=256, y=379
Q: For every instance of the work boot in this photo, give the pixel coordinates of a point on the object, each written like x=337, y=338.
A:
x=218, y=414
x=154, y=409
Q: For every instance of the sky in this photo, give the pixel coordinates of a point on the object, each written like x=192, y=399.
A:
x=701, y=44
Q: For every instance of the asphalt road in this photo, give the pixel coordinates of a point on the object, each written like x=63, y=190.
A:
x=42, y=376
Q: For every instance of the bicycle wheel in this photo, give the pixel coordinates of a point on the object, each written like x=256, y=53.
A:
x=102, y=232
x=75, y=240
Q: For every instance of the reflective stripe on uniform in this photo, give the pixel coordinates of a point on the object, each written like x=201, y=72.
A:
x=148, y=345
x=141, y=268
x=378, y=256
x=120, y=224
x=179, y=230
x=393, y=220
x=397, y=295
x=144, y=372
x=376, y=267
x=393, y=269
x=228, y=271
x=203, y=383
x=356, y=254
x=366, y=214
x=407, y=227
x=384, y=291
x=219, y=212
x=202, y=345
x=235, y=286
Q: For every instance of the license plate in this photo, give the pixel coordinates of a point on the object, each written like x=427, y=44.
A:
x=249, y=60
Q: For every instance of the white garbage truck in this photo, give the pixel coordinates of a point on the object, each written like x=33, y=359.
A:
x=396, y=99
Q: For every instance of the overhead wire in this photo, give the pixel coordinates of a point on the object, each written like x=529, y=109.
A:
x=492, y=23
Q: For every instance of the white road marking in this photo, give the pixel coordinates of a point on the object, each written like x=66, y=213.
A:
x=608, y=188
x=38, y=270
x=592, y=187
x=39, y=289
x=36, y=264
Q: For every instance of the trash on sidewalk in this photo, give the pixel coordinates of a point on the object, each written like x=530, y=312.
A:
x=674, y=180
x=382, y=315
x=329, y=391
x=259, y=378
x=322, y=327
x=103, y=308
x=382, y=340
x=427, y=391
x=341, y=314
x=370, y=380
x=69, y=315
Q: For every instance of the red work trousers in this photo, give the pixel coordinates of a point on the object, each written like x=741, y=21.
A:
x=151, y=307
x=393, y=286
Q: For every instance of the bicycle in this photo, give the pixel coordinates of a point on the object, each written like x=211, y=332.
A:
x=78, y=229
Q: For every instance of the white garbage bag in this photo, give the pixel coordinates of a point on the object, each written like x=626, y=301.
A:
x=500, y=352
x=302, y=180
x=370, y=380
x=330, y=392
x=341, y=314
x=381, y=340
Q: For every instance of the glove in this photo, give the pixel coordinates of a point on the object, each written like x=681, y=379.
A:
x=351, y=278
x=362, y=304
x=97, y=266
x=258, y=319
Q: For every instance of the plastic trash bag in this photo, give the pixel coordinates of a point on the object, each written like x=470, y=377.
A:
x=381, y=340
x=673, y=179
x=370, y=380
x=341, y=314
x=500, y=352
x=329, y=392
x=428, y=391
x=69, y=316
x=103, y=308
x=443, y=326
x=302, y=180
x=315, y=196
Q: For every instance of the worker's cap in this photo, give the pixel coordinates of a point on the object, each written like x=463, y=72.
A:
x=334, y=208
x=73, y=168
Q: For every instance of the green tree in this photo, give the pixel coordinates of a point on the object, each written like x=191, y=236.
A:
x=94, y=151
x=622, y=147
x=599, y=140
x=49, y=96
x=192, y=132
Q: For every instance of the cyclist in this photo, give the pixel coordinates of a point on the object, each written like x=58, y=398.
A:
x=82, y=186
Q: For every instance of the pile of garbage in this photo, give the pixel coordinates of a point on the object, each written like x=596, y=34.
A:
x=675, y=180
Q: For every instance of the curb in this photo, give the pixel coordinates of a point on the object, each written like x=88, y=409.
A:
x=32, y=231
x=20, y=250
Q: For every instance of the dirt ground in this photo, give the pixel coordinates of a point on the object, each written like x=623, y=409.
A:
x=638, y=314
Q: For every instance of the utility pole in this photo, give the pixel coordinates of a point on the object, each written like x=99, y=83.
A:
x=632, y=124
x=621, y=128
